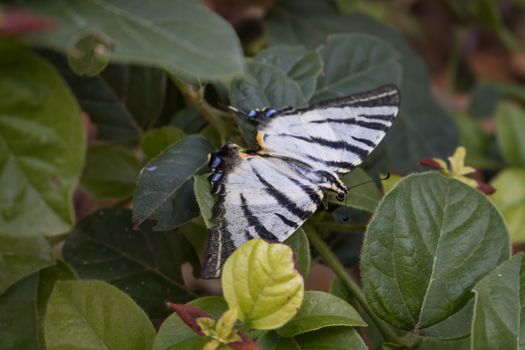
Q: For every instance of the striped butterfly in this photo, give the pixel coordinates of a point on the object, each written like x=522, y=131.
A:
x=302, y=153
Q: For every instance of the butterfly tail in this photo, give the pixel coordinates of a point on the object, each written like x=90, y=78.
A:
x=217, y=252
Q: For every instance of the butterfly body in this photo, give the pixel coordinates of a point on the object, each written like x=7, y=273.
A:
x=268, y=193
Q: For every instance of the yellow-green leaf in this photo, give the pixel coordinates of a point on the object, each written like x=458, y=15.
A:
x=260, y=279
x=509, y=198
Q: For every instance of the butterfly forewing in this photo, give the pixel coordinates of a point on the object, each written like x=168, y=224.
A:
x=337, y=134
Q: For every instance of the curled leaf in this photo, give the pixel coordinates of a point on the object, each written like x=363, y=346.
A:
x=190, y=314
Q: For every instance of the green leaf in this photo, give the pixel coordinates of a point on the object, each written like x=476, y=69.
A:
x=21, y=257
x=19, y=322
x=356, y=63
x=269, y=87
x=301, y=251
x=174, y=334
x=509, y=198
x=422, y=129
x=364, y=197
x=431, y=239
x=140, y=33
x=456, y=326
x=95, y=315
x=333, y=338
x=188, y=120
x=298, y=63
x=110, y=172
x=41, y=146
x=261, y=281
x=165, y=189
x=201, y=187
x=510, y=122
x=436, y=344
x=498, y=313
x=145, y=264
x=120, y=101
x=47, y=278
x=23, y=308
x=320, y=310
x=88, y=54
x=157, y=140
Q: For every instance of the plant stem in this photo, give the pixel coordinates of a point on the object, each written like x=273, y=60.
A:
x=331, y=260
x=195, y=97
x=346, y=228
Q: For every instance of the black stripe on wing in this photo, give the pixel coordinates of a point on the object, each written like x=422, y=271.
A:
x=255, y=222
x=282, y=199
x=388, y=96
x=353, y=121
x=361, y=153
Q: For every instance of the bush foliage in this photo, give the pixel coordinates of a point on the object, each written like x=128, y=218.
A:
x=108, y=111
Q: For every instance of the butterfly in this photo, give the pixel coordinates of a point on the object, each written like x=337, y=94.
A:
x=270, y=192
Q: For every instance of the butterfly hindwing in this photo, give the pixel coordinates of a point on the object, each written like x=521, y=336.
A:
x=270, y=192
x=260, y=197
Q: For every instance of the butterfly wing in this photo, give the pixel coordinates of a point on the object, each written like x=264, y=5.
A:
x=271, y=192
x=261, y=197
x=336, y=134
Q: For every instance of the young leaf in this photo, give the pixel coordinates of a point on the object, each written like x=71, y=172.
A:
x=145, y=264
x=165, y=187
x=364, y=197
x=88, y=56
x=174, y=334
x=187, y=48
x=510, y=199
x=510, y=121
x=41, y=146
x=260, y=280
x=498, y=315
x=110, y=172
x=95, y=315
x=425, y=249
x=21, y=257
x=320, y=310
x=201, y=187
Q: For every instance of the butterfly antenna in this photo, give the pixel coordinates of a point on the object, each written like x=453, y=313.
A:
x=231, y=108
x=386, y=177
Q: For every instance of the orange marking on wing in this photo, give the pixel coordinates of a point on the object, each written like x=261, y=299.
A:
x=259, y=139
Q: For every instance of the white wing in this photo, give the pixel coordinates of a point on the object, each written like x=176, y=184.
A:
x=261, y=197
x=336, y=134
